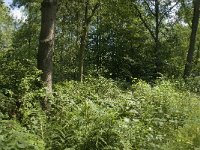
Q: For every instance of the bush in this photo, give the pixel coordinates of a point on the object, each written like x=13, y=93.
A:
x=187, y=137
x=85, y=116
x=13, y=136
x=19, y=80
x=97, y=114
x=20, y=92
x=191, y=84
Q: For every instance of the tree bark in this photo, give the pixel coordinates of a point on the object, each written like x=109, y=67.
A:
x=198, y=54
x=82, y=52
x=157, y=41
x=83, y=43
x=195, y=22
x=46, y=44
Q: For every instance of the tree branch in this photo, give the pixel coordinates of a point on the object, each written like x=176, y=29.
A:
x=166, y=12
x=149, y=8
x=145, y=23
x=97, y=5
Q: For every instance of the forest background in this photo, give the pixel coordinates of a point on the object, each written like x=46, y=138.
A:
x=99, y=74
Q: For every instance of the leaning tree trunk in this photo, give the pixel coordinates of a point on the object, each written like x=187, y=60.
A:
x=46, y=45
x=195, y=22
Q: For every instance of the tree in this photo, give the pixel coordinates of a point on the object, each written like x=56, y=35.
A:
x=84, y=34
x=152, y=14
x=115, y=49
x=25, y=38
x=67, y=40
x=6, y=27
x=195, y=22
x=46, y=44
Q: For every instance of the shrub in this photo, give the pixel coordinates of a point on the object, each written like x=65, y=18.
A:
x=97, y=114
x=19, y=90
x=13, y=136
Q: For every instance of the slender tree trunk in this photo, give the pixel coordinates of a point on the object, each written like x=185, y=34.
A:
x=195, y=22
x=198, y=54
x=83, y=43
x=29, y=46
x=157, y=40
x=46, y=44
x=82, y=52
x=97, y=46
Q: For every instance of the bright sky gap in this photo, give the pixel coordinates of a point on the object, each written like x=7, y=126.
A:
x=15, y=12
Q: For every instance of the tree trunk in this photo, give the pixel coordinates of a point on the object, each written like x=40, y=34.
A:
x=157, y=41
x=198, y=55
x=82, y=51
x=195, y=22
x=46, y=44
x=83, y=43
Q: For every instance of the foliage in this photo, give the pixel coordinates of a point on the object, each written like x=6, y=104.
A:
x=191, y=84
x=101, y=113
x=97, y=114
x=13, y=136
x=187, y=137
x=119, y=45
x=19, y=84
x=6, y=27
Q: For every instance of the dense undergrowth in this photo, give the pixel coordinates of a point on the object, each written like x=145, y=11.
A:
x=99, y=114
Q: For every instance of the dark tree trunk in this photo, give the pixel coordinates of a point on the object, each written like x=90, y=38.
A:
x=46, y=44
x=157, y=41
x=195, y=22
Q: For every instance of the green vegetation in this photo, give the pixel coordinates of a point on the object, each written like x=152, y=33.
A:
x=100, y=75
x=13, y=136
x=102, y=114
